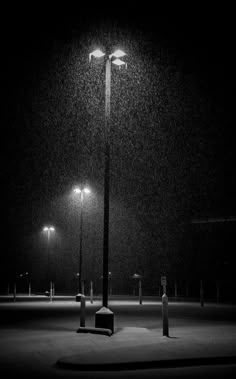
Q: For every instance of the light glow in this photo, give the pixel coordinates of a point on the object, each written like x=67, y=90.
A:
x=48, y=228
x=96, y=53
x=85, y=190
x=119, y=62
x=118, y=54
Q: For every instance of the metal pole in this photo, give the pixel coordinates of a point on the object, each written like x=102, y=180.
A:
x=82, y=287
x=14, y=292
x=91, y=292
x=48, y=278
x=82, y=310
x=140, y=291
x=165, y=321
x=80, y=246
x=106, y=183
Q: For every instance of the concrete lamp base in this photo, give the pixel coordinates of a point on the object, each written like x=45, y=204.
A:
x=78, y=297
x=104, y=318
x=106, y=332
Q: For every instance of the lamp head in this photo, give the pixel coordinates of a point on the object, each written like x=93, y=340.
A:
x=118, y=62
x=96, y=54
x=118, y=54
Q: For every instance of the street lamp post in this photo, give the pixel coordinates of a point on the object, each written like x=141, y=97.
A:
x=81, y=192
x=49, y=230
x=26, y=276
x=109, y=60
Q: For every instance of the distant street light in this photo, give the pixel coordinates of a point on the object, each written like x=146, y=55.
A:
x=81, y=192
x=26, y=276
x=108, y=59
x=49, y=230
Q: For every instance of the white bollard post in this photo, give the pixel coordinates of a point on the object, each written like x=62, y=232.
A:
x=91, y=292
x=165, y=322
x=29, y=289
x=82, y=310
x=140, y=292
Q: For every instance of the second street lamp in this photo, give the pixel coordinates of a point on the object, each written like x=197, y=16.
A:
x=109, y=59
x=81, y=193
x=49, y=230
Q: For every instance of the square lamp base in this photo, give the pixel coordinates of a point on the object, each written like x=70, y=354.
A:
x=104, y=318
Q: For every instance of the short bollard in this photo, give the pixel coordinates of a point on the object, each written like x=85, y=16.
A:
x=140, y=292
x=82, y=310
x=91, y=292
x=165, y=323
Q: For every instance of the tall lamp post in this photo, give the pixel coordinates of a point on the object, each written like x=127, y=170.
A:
x=81, y=192
x=102, y=318
x=49, y=230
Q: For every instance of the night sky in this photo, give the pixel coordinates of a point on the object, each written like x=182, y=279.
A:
x=172, y=138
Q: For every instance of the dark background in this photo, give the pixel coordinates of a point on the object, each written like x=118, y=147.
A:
x=173, y=145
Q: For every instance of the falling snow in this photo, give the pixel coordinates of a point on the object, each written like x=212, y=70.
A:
x=166, y=164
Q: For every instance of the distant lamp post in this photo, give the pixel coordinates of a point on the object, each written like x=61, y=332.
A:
x=138, y=278
x=81, y=193
x=49, y=230
x=26, y=276
x=109, y=59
